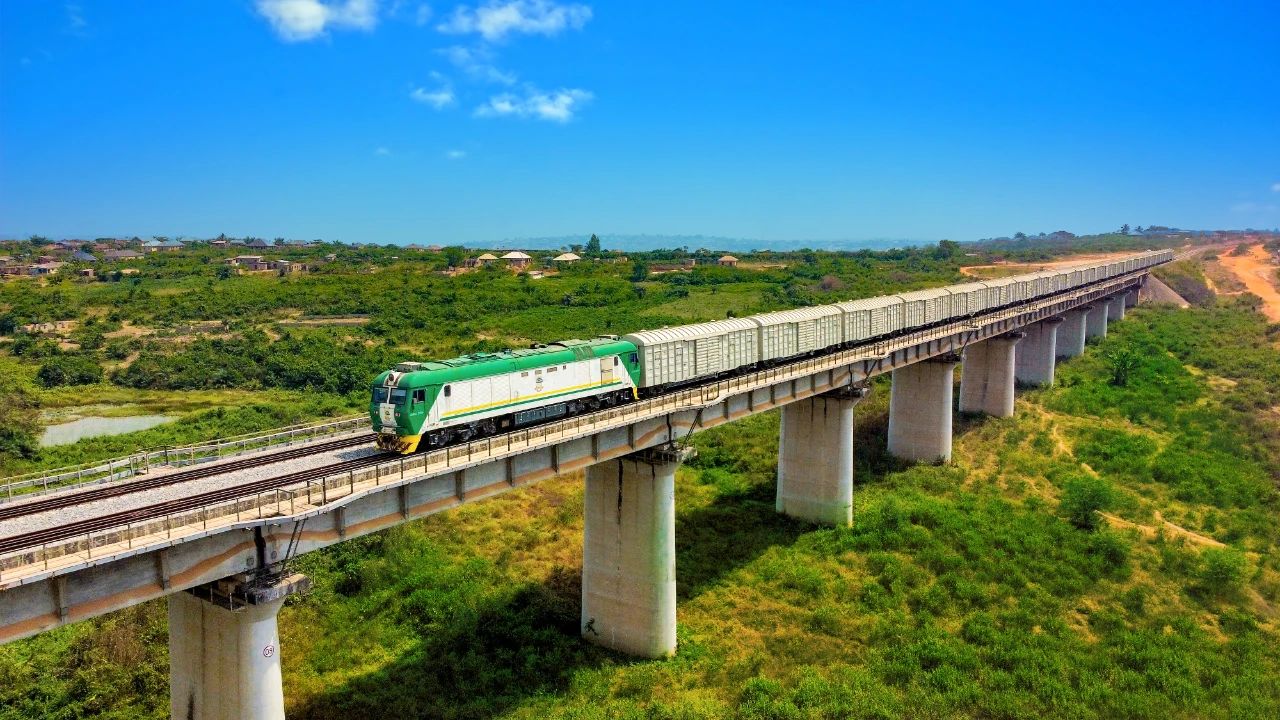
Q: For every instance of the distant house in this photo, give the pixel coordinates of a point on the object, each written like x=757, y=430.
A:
x=517, y=260
x=286, y=267
x=566, y=258
x=82, y=256
x=18, y=269
x=414, y=247
x=258, y=244
x=86, y=272
x=728, y=261
x=47, y=268
x=434, y=248
x=331, y=257
x=248, y=262
x=218, y=243
x=162, y=246
x=483, y=260
x=121, y=255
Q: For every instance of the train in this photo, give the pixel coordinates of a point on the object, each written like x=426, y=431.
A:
x=433, y=404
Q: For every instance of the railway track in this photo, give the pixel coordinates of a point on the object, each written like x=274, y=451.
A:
x=20, y=508
x=150, y=512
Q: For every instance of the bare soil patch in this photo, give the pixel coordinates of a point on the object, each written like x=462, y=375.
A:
x=1257, y=271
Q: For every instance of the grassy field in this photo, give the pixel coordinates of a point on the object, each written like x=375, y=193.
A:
x=1108, y=552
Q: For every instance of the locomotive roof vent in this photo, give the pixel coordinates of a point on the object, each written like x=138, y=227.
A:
x=408, y=367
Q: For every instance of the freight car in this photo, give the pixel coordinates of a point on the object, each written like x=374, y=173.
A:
x=434, y=404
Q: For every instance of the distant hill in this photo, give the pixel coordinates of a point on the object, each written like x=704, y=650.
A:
x=711, y=242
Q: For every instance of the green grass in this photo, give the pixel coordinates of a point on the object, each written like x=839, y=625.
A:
x=960, y=591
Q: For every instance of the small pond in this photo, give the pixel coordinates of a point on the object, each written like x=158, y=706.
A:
x=92, y=426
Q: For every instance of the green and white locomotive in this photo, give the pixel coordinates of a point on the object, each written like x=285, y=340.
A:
x=437, y=403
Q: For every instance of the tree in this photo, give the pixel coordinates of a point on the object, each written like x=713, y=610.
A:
x=69, y=370
x=1124, y=229
x=19, y=421
x=593, y=245
x=1222, y=571
x=38, y=240
x=947, y=249
x=1082, y=499
x=1019, y=235
x=639, y=271
x=278, y=242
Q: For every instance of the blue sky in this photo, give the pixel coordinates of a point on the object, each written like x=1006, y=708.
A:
x=440, y=122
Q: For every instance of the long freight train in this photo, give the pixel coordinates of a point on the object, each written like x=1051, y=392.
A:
x=437, y=403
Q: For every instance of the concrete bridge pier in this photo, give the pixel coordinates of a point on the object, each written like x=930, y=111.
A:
x=920, y=410
x=1096, y=321
x=629, y=554
x=1036, y=356
x=224, y=649
x=987, y=376
x=1071, y=334
x=1115, y=308
x=815, y=457
x=1131, y=298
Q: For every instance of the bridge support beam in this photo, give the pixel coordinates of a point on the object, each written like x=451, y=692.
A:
x=1036, y=356
x=920, y=410
x=987, y=376
x=1071, y=334
x=224, y=650
x=1096, y=321
x=815, y=458
x=1115, y=309
x=629, y=555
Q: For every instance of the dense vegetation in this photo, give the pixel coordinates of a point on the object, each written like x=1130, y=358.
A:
x=1108, y=552
x=184, y=324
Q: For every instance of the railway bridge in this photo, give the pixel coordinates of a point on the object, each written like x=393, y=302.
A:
x=220, y=555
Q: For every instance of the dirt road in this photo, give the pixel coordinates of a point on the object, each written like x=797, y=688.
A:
x=1258, y=273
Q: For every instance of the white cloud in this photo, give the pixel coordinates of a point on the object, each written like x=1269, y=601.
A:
x=76, y=22
x=440, y=98
x=496, y=19
x=423, y=15
x=298, y=20
x=558, y=106
x=382, y=151
x=1275, y=187
x=455, y=154
x=477, y=63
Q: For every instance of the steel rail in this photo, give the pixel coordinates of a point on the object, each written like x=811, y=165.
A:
x=79, y=528
x=20, y=508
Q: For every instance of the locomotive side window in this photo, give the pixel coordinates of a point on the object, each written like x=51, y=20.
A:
x=419, y=395
x=448, y=390
x=635, y=358
x=398, y=396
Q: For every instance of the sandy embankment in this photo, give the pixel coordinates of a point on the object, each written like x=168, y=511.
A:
x=1257, y=270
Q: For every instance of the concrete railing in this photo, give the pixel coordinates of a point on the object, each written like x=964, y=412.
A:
x=312, y=496
x=96, y=473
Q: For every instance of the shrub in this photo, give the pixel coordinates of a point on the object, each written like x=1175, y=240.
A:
x=1083, y=497
x=69, y=370
x=1221, y=572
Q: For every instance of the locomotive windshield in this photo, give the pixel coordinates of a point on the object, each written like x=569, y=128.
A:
x=379, y=395
x=397, y=396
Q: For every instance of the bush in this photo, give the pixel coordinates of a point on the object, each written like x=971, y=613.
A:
x=1083, y=497
x=1222, y=572
x=69, y=370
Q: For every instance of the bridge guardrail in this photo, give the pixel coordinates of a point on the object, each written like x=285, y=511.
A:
x=99, y=472
x=301, y=499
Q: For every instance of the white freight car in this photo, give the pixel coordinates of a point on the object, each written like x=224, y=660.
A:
x=871, y=318
x=797, y=332
x=677, y=355
x=924, y=307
